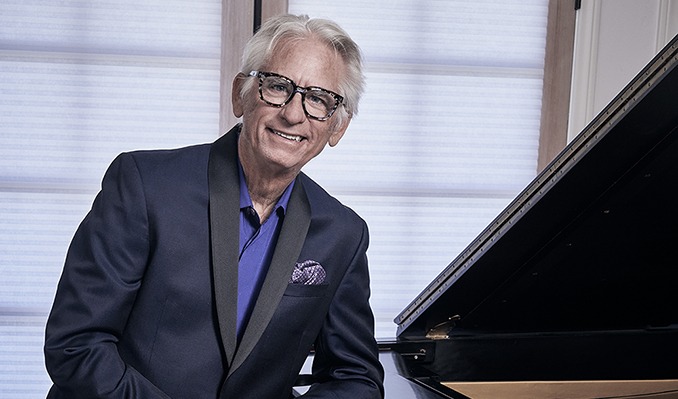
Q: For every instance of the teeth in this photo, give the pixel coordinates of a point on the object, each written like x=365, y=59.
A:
x=288, y=137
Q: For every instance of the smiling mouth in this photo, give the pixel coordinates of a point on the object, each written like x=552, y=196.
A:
x=289, y=137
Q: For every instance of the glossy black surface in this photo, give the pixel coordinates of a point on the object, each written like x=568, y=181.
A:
x=576, y=279
x=590, y=244
x=398, y=385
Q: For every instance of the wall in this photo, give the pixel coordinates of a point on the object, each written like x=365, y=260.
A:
x=614, y=40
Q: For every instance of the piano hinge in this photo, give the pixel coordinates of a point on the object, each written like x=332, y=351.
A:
x=442, y=330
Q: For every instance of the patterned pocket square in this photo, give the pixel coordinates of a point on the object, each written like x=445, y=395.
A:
x=308, y=272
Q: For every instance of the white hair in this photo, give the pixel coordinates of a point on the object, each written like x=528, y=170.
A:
x=283, y=28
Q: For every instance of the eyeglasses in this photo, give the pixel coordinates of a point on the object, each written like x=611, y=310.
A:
x=277, y=90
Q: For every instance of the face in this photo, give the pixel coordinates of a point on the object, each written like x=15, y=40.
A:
x=280, y=141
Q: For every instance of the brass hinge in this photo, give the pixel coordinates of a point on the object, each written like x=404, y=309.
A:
x=442, y=330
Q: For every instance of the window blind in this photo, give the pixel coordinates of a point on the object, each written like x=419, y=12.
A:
x=428, y=168
x=447, y=133
x=81, y=82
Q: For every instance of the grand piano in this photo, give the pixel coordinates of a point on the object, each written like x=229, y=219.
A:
x=572, y=291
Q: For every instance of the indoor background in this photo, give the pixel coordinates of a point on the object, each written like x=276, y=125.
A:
x=466, y=102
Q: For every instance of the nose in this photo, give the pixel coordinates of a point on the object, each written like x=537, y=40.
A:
x=293, y=111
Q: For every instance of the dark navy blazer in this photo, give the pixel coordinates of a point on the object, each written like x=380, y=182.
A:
x=146, y=304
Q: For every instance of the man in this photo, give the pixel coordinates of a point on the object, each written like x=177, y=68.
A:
x=211, y=271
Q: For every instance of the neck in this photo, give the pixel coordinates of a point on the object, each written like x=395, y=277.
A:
x=265, y=193
x=265, y=189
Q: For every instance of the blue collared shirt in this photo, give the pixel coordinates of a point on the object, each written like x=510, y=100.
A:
x=257, y=242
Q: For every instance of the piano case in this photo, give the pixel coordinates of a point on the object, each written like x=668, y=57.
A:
x=577, y=279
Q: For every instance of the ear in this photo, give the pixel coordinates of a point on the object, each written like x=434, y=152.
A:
x=236, y=98
x=339, y=131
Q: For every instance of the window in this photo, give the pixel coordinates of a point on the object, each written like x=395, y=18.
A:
x=447, y=133
x=446, y=137
x=81, y=82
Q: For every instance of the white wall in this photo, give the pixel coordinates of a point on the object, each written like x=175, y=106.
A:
x=614, y=40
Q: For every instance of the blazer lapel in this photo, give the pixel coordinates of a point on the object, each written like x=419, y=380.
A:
x=224, y=213
x=290, y=241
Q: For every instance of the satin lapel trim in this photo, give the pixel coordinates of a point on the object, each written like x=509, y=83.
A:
x=224, y=212
x=286, y=253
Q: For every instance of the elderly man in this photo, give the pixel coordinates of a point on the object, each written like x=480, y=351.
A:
x=211, y=271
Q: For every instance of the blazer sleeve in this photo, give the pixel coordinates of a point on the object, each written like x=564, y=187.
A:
x=346, y=362
x=102, y=273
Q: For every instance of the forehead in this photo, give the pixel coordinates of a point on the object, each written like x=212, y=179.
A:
x=307, y=61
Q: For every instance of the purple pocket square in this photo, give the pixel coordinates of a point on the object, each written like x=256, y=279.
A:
x=308, y=272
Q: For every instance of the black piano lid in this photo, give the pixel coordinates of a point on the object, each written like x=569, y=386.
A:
x=589, y=245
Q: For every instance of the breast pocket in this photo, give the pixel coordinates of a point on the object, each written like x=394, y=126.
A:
x=301, y=310
x=301, y=290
